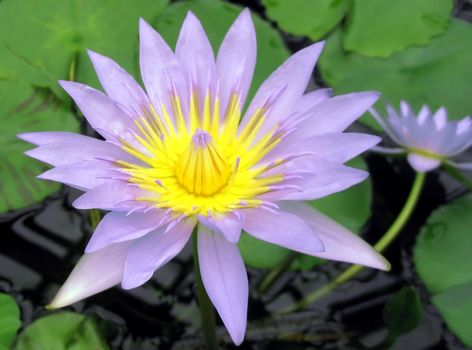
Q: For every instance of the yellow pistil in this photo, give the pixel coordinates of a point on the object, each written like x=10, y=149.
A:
x=201, y=169
x=200, y=163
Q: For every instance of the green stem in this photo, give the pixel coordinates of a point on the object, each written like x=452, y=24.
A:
x=274, y=274
x=73, y=67
x=381, y=245
x=404, y=215
x=458, y=176
x=207, y=312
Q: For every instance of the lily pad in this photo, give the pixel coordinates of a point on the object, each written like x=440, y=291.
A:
x=216, y=17
x=402, y=312
x=381, y=27
x=62, y=331
x=438, y=74
x=51, y=36
x=260, y=254
x=455, y=305
x=42, y=42
x=442, y=259
x=311, y=18
x=350, y=208
x=9, y=320
x=25, y=109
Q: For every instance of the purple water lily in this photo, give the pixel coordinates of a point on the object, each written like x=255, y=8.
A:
x=183, y=155
x=429, y=139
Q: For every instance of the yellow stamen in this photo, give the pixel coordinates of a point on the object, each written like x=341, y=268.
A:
x=197, y=164
x=201, y=169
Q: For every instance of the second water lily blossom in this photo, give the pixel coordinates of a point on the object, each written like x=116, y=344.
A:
x=428, y=138
x=182, y=154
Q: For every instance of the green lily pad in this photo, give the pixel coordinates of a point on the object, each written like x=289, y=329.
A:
x=42, y=42
x=455, y=305
x=216, y=17
x=260, y=254
x=311, y=18
x=25, y=109
x=350, y=208
x=438, y=74
x=381, y=27
x=442, y=251
x=62, y=331
x=50, y=36
x=442, y=259
x=10, y=321
x=402, y=312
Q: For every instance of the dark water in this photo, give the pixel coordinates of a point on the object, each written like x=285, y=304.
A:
x=40, y=245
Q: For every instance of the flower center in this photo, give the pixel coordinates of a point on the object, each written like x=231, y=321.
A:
x=203, y=165
x=201, y=169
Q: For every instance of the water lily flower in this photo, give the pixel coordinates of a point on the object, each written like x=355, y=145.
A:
x=428, y=139
x=182, y=154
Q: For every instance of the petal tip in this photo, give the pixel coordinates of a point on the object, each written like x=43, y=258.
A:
x=358, y=175
x=314, y=50
x=237, y=338
x=90, y=52
x=95, y=57
x=46, y=175
x=79, y=203
x=24, y=136
x=379, y=262
x=30, y=137
x=31, y=153
x=374, y=94
x=144, y=26
x=58, y=302
x=71, y=87
x=404, y=104
x=191, y=16
x=374, y=140
x=130, y=283
x=50, y=307
x=387, y=265
x=65, y=83
x=245, y=12
x=318, y=46
x=368, y=98
x=245, y=19
x=192, y=25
